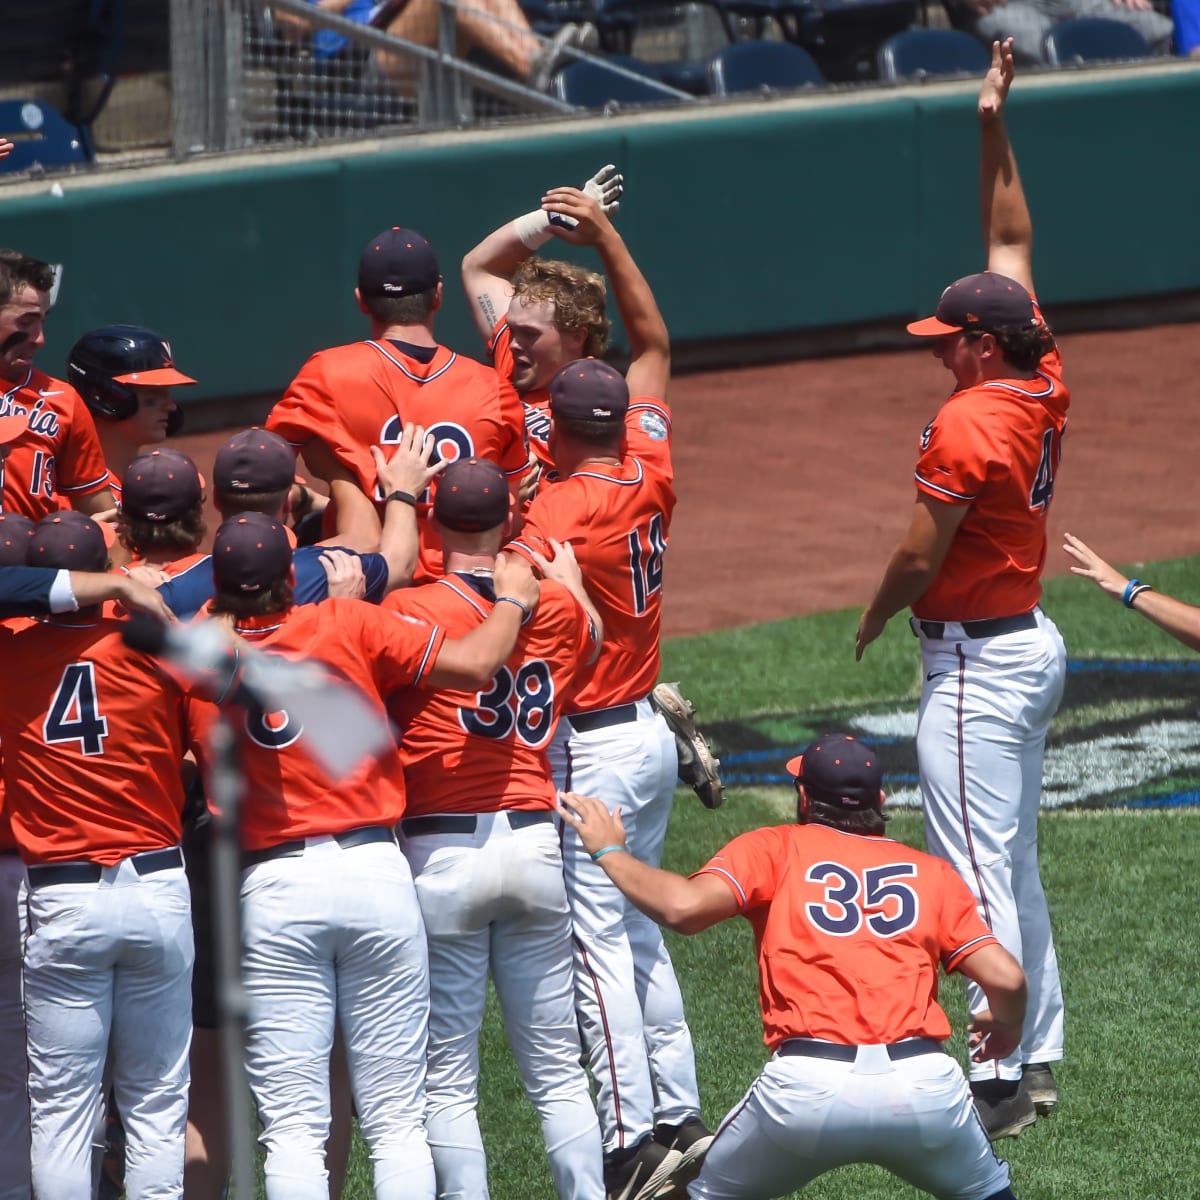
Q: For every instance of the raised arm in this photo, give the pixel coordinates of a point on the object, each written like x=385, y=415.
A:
x=487, y=270
x=1004, y=215
x=649, y=342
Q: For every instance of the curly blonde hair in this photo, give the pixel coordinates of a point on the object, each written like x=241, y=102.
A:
x=578, y=296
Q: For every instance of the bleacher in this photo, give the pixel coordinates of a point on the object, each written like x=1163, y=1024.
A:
x=92, y=83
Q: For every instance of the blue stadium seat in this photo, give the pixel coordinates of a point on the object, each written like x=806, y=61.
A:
x=751, y=66
x=41, y=136
x=921, y=53
x=1093, y=39
x=843, y=35
x=592, y=85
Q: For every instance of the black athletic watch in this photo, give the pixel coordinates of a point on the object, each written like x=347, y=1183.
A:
x=403, y=497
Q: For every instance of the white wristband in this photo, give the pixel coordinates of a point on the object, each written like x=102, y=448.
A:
x=533, y=229
x=62, y=594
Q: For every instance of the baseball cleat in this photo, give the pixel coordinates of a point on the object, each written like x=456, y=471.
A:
x=691, y=1141
x=698, y=767
x=1037, y=1082
x=1003, y=1115
x=645, y=1173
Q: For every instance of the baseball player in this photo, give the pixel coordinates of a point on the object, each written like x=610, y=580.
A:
x=479, y=835
x=613, y=505
x=93, y=741
x=970, y=566
x=535, y=316
x=347, y=399
x=125, y=374
x=850, y=928
x=331, y=928
x=57, y=461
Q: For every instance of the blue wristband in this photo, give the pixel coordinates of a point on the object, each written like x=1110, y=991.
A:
x=513, y=600
x=599, y=854
x=1133, y=589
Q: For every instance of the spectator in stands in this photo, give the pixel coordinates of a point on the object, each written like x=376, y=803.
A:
x=499, y=28
x=1028, y=21
x=1187, y=27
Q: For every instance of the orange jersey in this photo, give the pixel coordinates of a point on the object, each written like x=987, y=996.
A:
x=996, y=447
x=361, y=395
x=850, y=931
x=93, y=740
x=288, y=796
x=617, y=521
x=536, y=402
x=58, y=458
x=483, y=751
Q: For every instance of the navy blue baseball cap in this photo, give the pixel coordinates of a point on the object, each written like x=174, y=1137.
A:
x=161, y=485
x=588, y=389
x=398, y=262
x=979, y=303
x=472, y=495
x=841, y=770
x=255, y=460
x=16, y=532
x=68, y=540
x=250, y=553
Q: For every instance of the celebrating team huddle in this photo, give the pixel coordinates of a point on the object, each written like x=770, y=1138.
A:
x=483, y=562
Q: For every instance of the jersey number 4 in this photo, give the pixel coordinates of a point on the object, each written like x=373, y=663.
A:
x=74, y=714
x=1042, y=491
x=524, y=702
x=878, y=897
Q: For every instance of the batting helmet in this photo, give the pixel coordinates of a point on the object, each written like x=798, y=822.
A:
x=105, y=362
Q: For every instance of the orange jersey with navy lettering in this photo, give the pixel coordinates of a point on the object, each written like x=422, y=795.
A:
x=93, y=741
x=996, y=447
x=288, y=796
x=58, y=458
x=361, y=395
x=617, y=519
x=535, y=402
x=484, y=751
x=850, y=932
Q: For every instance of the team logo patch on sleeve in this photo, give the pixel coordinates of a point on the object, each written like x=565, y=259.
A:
x=653, y=426
x=926, y=434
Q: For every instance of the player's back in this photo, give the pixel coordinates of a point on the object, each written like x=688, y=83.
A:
x=617, y=520
x=361, y=395
x=288, y=796
x=851, y=930
x=484, y=751
x=93, y=741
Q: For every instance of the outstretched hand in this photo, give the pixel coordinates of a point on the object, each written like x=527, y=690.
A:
x=1092, y=566
x=994, y=92
x=590, y=818
x=514, y=577
x=409, y=469
x=606, y=187
x=590, y=223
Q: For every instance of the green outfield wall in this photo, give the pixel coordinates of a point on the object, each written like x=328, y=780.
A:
x=767, y=218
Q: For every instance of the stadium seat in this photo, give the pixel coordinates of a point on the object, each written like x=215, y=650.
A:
x=41, y=136
x=1093, y=39
x=752, y=66
x=923, y=53
x=592, y=85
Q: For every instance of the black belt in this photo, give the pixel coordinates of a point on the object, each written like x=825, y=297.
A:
x=146, y=863
x=518, y=818
x=602, y=718
x=348, y=840
x=991, y=627
x=810, y=1048
x=11, y=850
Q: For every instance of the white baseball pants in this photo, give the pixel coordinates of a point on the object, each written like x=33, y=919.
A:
x=637, y=1041
x=14, y=1080
x=105, y=960
x=804, y=1116
x=494, y=898
x=985, y=709
x=329, y=936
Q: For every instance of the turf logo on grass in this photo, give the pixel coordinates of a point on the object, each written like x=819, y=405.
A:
x=1127, y=735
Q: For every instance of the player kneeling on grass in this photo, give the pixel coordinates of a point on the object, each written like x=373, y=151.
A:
x=850, y=927
x=331, y=928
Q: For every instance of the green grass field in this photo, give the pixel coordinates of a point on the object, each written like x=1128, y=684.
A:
x=1122, y=885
